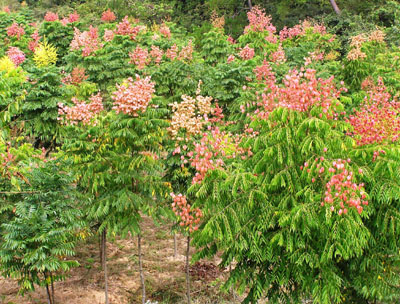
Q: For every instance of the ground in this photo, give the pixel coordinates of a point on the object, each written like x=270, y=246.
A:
x=165, y=277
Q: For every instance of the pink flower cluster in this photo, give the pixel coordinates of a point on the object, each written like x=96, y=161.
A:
x=76, y=77
x=231, y=58
x=15, y=30
x=51, y=17
x=258, y=21
x=156, y=53
x=378, y=120
x=189, y=217
x=16, y=55
x=186, y=52
x=87, y=40
x=209, y=153
x=34, y=43
x=313, y=57
x=301, y=30
x=172, y=52
x=108, y=35
x=300, y=91
x=341, y=190
x=125, y=28
x=81, y=111
x=246, y=53
x=134, y=96
x=279, y=55
x=108, y=16
x=74, y=17
x=6, y=9
x=139, y=57
x=165, y=31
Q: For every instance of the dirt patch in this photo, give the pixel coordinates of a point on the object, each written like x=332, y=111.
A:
x=164, y=274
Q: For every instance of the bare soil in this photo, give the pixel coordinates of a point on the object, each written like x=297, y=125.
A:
x=164, y=274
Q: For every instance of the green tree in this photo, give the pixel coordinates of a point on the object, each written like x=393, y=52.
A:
x=43, y=231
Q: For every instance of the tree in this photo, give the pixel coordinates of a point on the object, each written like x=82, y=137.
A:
x=335, y=6
x=43, y=232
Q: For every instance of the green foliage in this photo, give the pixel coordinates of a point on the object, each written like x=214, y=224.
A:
x=40, y=108
x=266, y=215
x=43, y=230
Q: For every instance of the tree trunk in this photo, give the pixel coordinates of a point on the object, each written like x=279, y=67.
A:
x=101, y=249
x=335, y=7
x=52, y=288
x=187, y=271
x=250, y=5
x=175, y=247
x=141, y=269
x=48, y=294
x=104, y=262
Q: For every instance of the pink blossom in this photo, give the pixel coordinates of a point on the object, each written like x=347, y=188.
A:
x=156, y=53
x=139, y=57
x=108, y=16
x=108, y=35
x=172, y=53
x=230, y=58
x=165, y=31
x=134, y=96
x=51, y=16
x=87, y=40
x=247, y=53
x=15, y=30
x=81, y=111
x=74, y=17
x=33, y=44
x=259, y=22
x=125, y=28
x=16, y=55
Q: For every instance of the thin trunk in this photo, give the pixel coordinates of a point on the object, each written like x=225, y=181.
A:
x=104, y=261
x=175, y=247
x=250, y=5
x=52, y=288
x=187, y=271
x=48, y=294
x=335, y=6
x=101, y=249
x=141, y=269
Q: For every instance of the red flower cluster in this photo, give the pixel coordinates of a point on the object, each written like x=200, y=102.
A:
x=139, y=57
x=76, y=77
x=186, y=52
x=300, y=91
x=378, y=120
x=81, y=111
x=74, y=17
x=156, y=53
x=172, y=53
x=108, y=16
x=165, y=31
x=341, y=189
x=51, y=16
x=87, y=40
x=213, y=147
x=134, y=96
x=16, y=55
x=259, y=22
x=125, y=28
x=189, y=217
x=34, y=43
x=246, y=53
x=301, y=30
x=15, y=30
